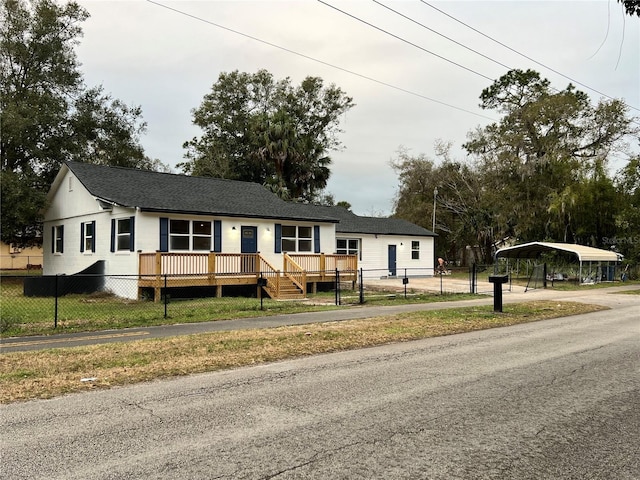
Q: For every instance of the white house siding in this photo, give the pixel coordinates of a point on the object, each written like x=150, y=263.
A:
x=148, y=233
x=70, y=208
x=374, y=255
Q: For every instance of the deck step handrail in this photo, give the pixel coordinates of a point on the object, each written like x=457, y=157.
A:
x=272, y=276
x=294, y=272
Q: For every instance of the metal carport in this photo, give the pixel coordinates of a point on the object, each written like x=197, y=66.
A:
x=582, y=252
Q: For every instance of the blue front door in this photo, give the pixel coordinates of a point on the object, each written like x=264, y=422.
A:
x=249, y=245
x=392, y=260
x=249, y=242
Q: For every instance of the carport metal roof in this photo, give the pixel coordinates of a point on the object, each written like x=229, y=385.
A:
x=535, y=249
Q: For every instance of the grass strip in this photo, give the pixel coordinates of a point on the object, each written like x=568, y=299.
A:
x=54, y=372
x=24, y=316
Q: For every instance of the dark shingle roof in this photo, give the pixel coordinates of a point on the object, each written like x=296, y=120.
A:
x=349, y=222
x=165, y=192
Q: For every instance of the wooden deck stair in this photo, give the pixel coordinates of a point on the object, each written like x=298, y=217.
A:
x=287, y=291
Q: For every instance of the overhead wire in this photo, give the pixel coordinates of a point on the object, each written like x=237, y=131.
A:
x=406, y=41
x=308, y=57
x=442, y=35
x=464, y=46
x=524, y=55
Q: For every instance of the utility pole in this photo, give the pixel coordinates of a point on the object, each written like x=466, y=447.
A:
x=435, y=194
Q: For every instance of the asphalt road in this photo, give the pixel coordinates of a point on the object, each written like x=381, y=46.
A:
x=546, y=400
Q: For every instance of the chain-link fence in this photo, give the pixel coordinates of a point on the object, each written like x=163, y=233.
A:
x=34, y=304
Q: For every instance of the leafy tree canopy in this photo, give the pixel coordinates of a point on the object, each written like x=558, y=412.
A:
x=540, y=173
x=631, y=6
x=48, y=115
x=259, y=129
x=548, y=147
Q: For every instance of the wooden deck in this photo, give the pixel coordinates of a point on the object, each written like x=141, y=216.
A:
x=161, y=270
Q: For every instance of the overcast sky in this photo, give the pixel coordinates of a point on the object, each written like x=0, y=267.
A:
x=150, y=54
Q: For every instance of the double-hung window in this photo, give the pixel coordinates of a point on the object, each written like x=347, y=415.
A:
x=415, y=250
x=123, y=234
x=348, y=246
x=189, y=235
x=201, y=235
x=57, y=245
x=88, y=236
x=296, y=238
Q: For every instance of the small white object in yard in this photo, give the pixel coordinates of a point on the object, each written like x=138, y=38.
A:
x=89, y=379
x=308, y=333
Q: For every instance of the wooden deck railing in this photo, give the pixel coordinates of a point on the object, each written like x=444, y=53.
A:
x=295, y=273
x=163, y=263
x=324, y=266
x=231, y=268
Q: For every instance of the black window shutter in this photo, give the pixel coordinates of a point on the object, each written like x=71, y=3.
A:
x=53, y=239
x=95, y=237
x=217, y=236
x=113, y=234
x=81, y=237
x=132, y=235
x=278, y=245
x=61, y=227
x=316, y=238
x=164, y=234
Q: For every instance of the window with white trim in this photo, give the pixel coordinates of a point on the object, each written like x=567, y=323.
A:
x=123, y=234
x=348, y=246
x=296, y=238
x=189, y=235
x=58, y=239
x=89, y=237
x=415, y=250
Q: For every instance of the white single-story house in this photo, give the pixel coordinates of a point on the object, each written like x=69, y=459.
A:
x=149, y=228
x=386, y=247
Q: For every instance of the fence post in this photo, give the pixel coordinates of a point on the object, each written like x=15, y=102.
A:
x=166, y=300
x=361, y=286
x=472, y=278
x=337, y=287
x=55, y=312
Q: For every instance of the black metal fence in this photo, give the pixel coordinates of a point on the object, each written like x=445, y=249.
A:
x=35, y=303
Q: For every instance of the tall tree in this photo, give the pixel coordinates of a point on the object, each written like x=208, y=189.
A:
x=631, y=6
x=548, y=146
x=261, y=130
x=627, y=234
x=47, y=113
x=449, y=193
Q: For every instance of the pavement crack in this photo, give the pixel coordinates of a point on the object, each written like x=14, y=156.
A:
x=146, y=410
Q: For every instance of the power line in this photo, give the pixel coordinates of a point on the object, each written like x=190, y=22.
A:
x=351, y=72
x=443, y=36
x=406, y=41
x=525, y=56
